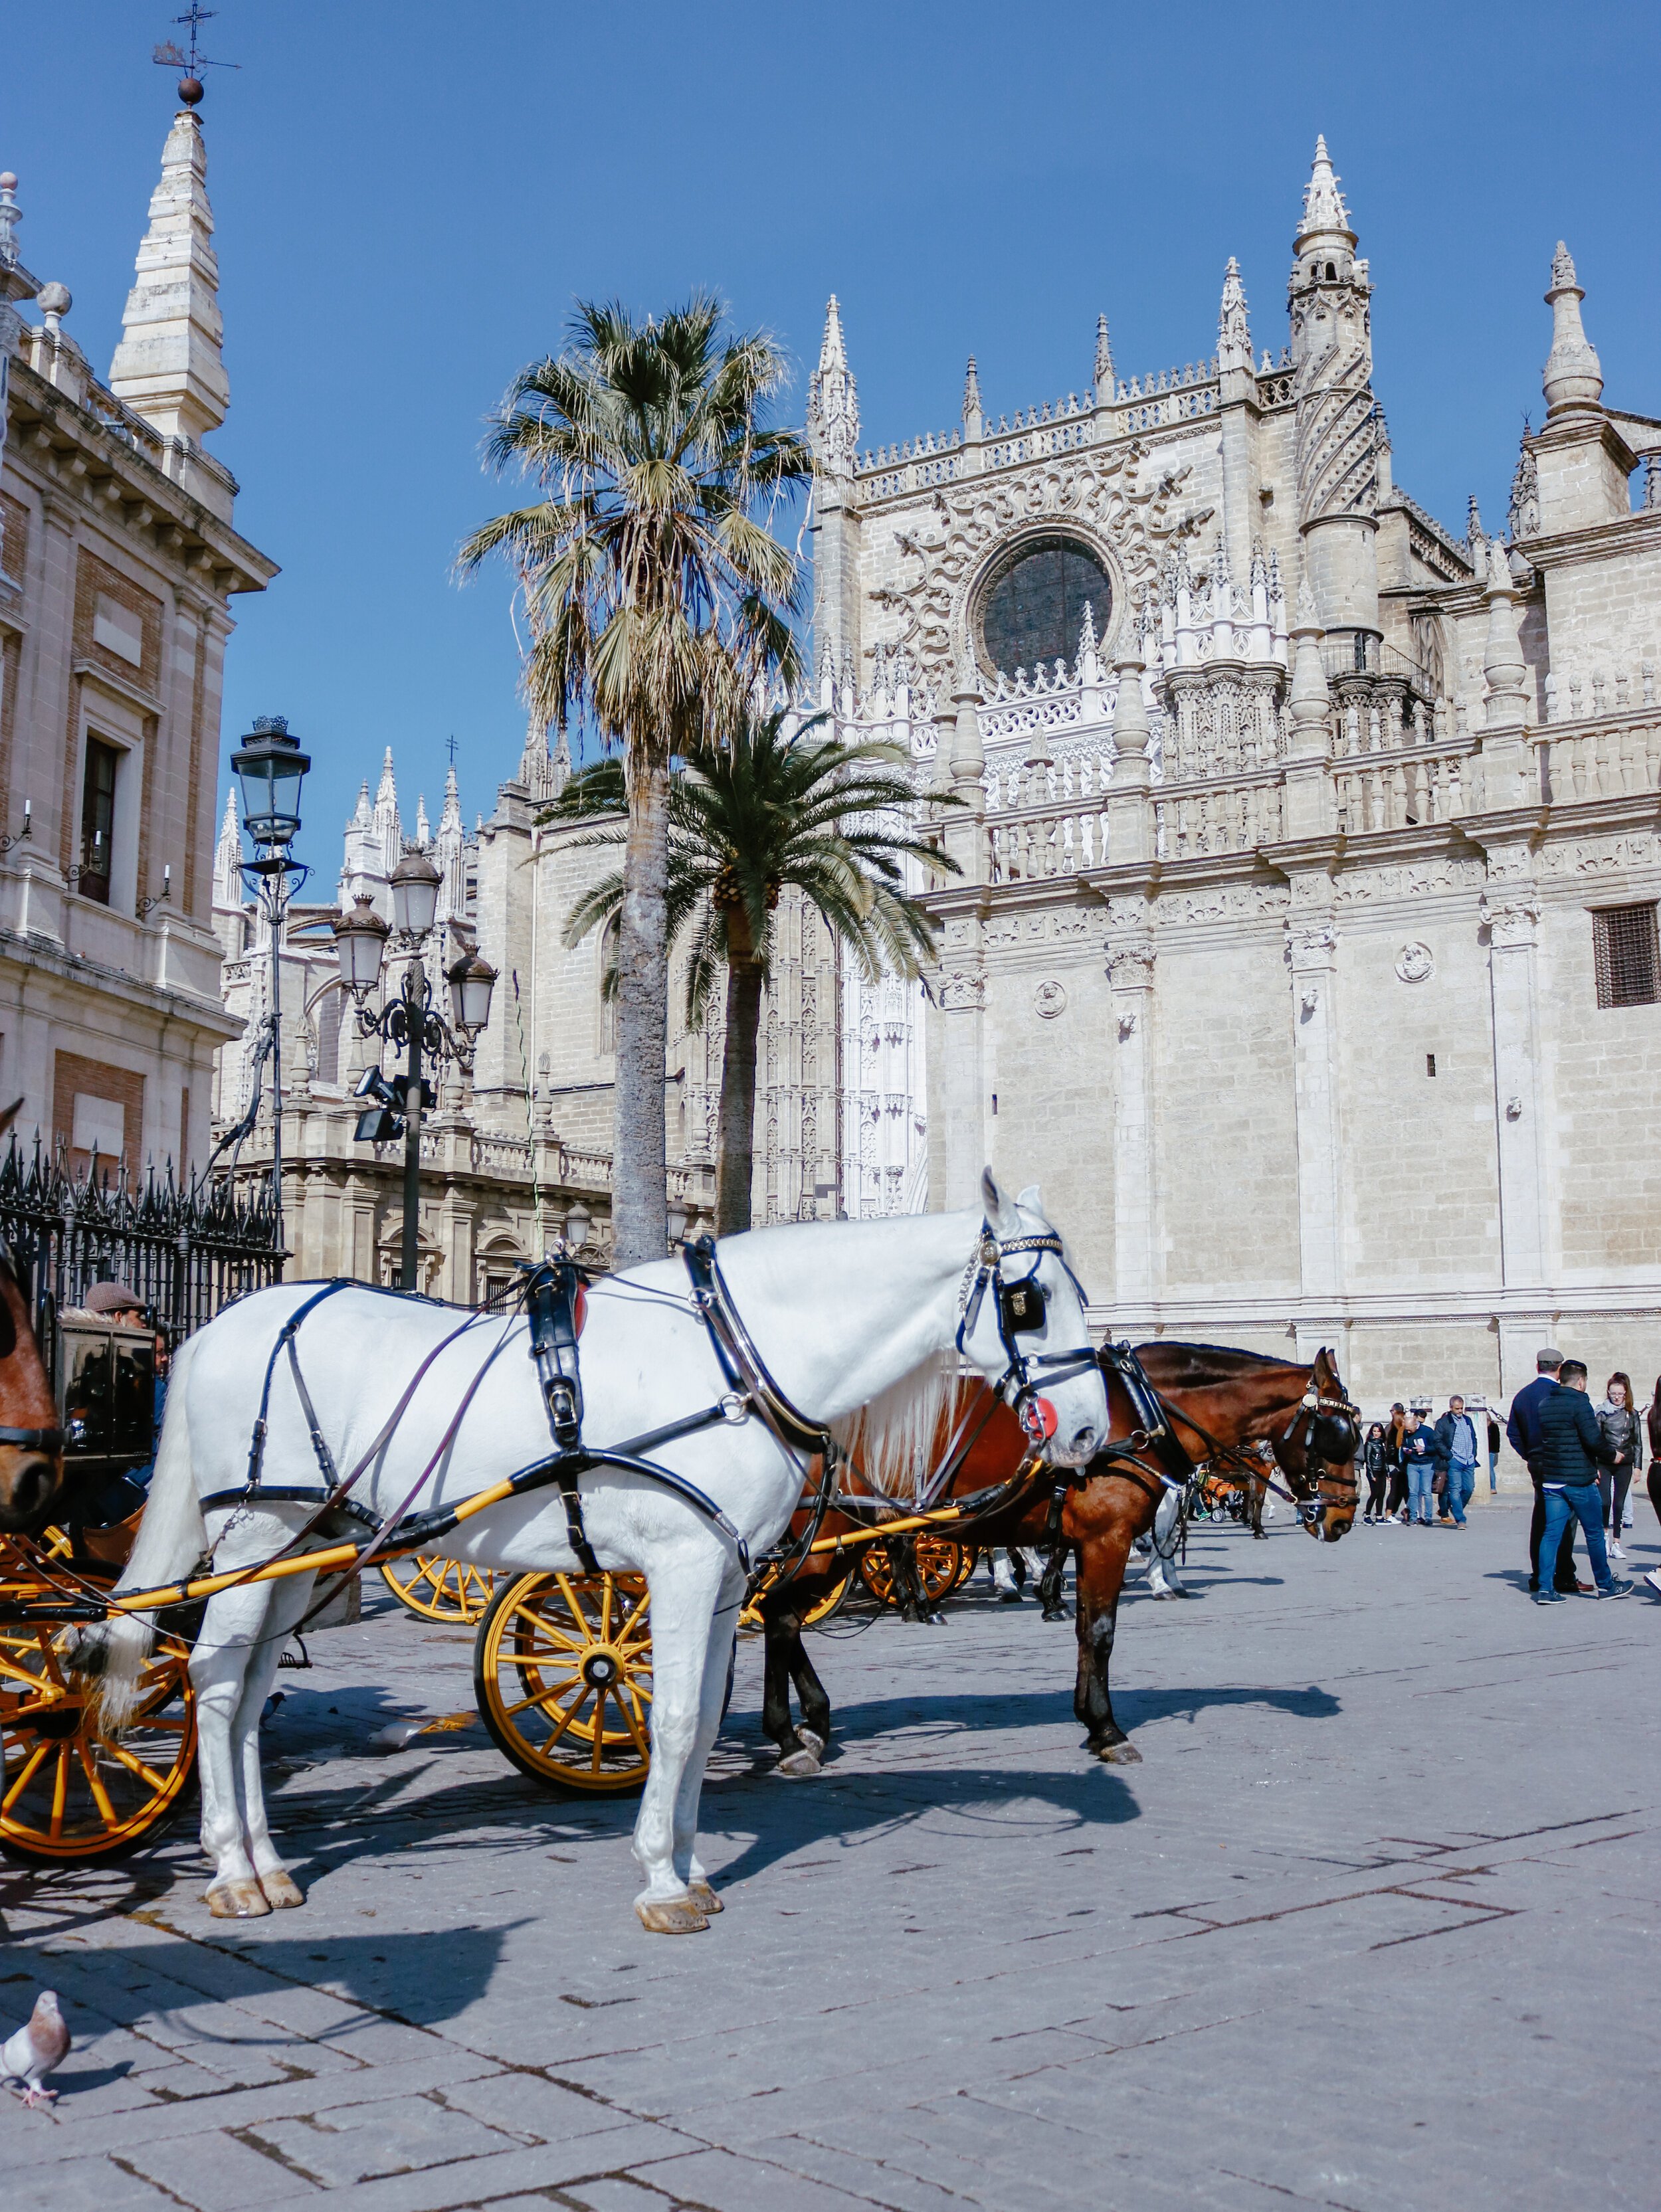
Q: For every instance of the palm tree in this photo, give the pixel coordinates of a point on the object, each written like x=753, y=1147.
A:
x=780, y=804
x=656, y=599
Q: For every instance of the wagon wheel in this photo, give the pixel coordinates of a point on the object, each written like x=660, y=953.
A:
x=562, y=1674
x=821, y=1610
x=69, y=1790
x=940, y=1569
x=448, y=1590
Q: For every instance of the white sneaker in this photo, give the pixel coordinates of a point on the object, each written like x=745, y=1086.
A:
x=1615, y=1550
x=1653, y=1578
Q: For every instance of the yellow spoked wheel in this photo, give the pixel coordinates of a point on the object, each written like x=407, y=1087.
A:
x=68, y=1790
x=822, y=1610
x=941, y=1565
x=449, y=1591
x=563, y=1674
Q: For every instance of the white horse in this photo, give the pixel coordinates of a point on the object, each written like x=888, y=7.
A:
x=846, y=1315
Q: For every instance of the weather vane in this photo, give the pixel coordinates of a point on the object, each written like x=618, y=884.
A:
x=168, y=55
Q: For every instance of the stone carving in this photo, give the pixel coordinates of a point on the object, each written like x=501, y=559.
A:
x=1073, y=925
x=961, y=993
x=1600, y=856
x=1415, y=963
x=1130, y=963
x=1127, y=1028
x=1049, y=1001
x=1510, y=922
x=1003, y=929
x=1225, y=903
x=1313, y=948
x=1126, y=499
x=1362, y=886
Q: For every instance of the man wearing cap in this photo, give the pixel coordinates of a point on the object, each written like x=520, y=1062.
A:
x=1571, y=1448
x=115, y=1302
x=1523, y=1433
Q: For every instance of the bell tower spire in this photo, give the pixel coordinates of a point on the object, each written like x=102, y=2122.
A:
x=833, y=433
x=1339, y=437
x=167, y=366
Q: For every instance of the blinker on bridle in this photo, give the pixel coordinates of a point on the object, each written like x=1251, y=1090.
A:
x=1019, y=1307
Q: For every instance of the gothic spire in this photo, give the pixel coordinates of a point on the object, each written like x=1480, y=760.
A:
x=833, y=408
x=1103, y=379
x=451, y=817
x=1325, y=217
x=167, y=366
x=228, y=859
x=1234, y=331
x=972, y=397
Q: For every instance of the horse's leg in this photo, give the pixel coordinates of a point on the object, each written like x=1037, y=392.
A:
x=1256, y=1490
x=288, y=1601
x=1163, y=1579
x=219, y=1670
x=1050, y=1582
x=700, y=1893
x=1105, y=1536
x=685, y=1591
x=777, y=1628
x=814, y=1733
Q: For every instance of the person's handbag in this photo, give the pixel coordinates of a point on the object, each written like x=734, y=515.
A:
x=1439, y=1483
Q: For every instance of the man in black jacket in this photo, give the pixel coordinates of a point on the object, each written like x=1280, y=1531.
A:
x=1571, y=1443
x=1522, y=1431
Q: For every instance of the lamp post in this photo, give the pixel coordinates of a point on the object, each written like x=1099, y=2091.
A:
x=410, y=1023
x=270, y=766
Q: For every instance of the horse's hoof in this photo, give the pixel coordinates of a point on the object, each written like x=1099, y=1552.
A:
x=238, y=1901
x=798, y=1765
x=671, y=1915
x=702, y=1898
x=811, y=1740
x=282, y=1891
x=1120, y=1755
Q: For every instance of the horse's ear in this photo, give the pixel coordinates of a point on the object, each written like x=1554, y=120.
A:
x=10, y=1115
x=1000, y=1212
x=1031, y=1198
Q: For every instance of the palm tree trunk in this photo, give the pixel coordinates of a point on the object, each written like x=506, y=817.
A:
x=640, y=1139
x=735, y=1141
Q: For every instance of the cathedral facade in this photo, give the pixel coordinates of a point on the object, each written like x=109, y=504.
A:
x=1304, y=949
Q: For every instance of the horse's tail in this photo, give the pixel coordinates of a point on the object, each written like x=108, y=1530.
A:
x=172, y=1538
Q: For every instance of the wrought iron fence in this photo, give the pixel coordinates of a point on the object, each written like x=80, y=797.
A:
x=186, y=1251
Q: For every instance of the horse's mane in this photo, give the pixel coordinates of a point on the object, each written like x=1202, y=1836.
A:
x=1204, y=1365
x=893, y=1441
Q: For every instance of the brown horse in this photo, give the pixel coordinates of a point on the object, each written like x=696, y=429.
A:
x=1215, y=1402
x=31, y=1445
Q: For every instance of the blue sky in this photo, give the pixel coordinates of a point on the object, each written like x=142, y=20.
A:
x=408, y=196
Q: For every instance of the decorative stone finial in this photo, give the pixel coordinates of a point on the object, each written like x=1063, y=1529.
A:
x=1233, y=331
x=971, y=390
x=1131, y=735
x=10, y=215
x=1574, y=374
x=54, y=301
x=833, y=412
x=1502, y=659
x=1104, y=362
x=167, y=366
x=1309, y=612
x=1325, y=214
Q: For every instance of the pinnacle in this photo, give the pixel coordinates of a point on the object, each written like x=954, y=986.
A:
x=832, y=352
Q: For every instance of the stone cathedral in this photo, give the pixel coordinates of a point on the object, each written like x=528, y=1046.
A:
x=1304, y=949
x=1305, y=945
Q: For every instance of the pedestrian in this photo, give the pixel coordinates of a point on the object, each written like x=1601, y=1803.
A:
x=1376, y=1467
x=1457, y=1434
x=1396, y=1508
x=1494, y=1451
x=1653, y=1578
x=1422, y=1456
x=1618, y=1419
x=1523, y=1433
x=1571, y=1447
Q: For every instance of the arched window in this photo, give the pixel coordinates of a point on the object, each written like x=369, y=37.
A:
x=1332, y=274
x=1033, y=610
x=610, y=937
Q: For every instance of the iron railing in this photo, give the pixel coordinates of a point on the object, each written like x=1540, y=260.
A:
x=186, y=1251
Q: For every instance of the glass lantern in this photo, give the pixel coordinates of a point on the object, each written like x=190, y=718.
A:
x=359, y=939
x=416, y=884
x=270, y=766
x=472, y=980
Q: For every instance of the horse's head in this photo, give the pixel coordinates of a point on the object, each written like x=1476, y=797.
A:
x=1023, y=1324
x=31, y=1447
x=1317, y=1451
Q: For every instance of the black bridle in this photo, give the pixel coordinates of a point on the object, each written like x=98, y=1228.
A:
x=1019, y=1305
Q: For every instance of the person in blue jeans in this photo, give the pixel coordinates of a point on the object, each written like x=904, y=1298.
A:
x=1421, y=1454
x=1457, y=1434
x=1573, y=1446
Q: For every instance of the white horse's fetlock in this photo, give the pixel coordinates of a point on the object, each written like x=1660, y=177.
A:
x=282, y=1892
x=671, y=1915
x=241, y=1900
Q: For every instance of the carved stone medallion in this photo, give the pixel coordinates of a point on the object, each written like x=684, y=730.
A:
x=1415, y=963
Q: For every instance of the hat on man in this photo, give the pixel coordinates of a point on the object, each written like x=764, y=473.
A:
x=113, y=1298
x=1548, y=1359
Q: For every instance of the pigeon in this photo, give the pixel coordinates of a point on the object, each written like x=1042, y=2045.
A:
x=39, y=2048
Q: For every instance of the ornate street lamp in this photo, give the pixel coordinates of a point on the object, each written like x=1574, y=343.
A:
x=271, y=767
x=410, y=1023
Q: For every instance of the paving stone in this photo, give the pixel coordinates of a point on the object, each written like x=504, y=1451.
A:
x=1386, y=1807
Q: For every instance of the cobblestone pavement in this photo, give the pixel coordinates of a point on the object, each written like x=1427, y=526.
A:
x=1365, y=1929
